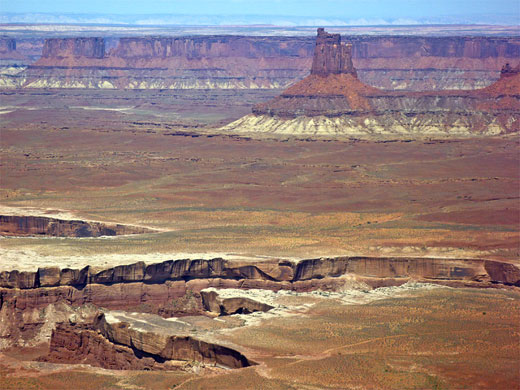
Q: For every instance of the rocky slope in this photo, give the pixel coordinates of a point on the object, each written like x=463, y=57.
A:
x=333, y=101
x=230, y=62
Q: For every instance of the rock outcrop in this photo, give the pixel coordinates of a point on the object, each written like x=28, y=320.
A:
x=114, y=344
x=332, y=101
x=31, y=302
x=82, y=344
x=14, y=225
x=239, y=62
x=212, y=302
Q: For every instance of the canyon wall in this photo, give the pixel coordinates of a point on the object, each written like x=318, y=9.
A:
x=29, y=49
x=32, y=302
x=238, y=62
x=15, y=56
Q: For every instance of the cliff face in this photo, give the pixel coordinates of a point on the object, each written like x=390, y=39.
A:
x=212, y=302
x=219, y=269
x=210, y=47
x=404, y=63
x=221, y=62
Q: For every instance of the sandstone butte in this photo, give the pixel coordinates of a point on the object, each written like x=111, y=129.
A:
x=333, y=101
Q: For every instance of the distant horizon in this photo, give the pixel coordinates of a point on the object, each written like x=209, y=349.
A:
x=216, y=20
x=6, y=19
x=286, y=13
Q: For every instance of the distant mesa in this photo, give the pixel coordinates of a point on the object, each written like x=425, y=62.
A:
x=332, y=101
x=398, y=62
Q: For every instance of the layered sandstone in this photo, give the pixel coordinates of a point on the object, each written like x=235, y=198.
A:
x=431, y=63
x=82, y=344
x=389, y=62
x=12, y=50
x=333, y=101
x=14, y=225
x=31, y=302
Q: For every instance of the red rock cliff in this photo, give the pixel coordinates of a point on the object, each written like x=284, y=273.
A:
x=209, y=47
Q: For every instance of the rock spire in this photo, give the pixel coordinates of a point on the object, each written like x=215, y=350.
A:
x=331, y=56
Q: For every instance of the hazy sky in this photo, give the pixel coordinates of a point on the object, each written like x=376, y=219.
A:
x=346, y=11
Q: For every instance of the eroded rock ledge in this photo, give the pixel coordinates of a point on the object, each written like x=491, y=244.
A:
x=16, y=225
x=113, y=344
x=215, y=304
x=284, y=274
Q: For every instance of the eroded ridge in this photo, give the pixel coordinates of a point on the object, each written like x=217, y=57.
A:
x=15, y=225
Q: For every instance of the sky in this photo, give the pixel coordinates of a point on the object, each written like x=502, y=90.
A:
x=288, y=12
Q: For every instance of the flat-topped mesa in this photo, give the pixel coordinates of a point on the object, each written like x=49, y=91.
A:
x=92, y=47
x=331, y=56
